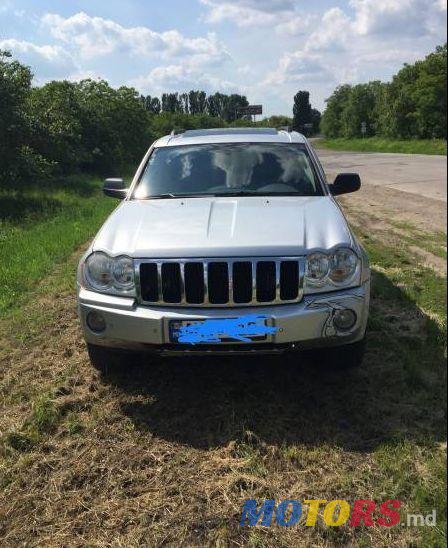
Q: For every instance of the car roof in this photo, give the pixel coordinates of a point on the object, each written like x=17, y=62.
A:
x=230, y=135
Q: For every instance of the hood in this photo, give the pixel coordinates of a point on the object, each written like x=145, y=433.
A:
x=223, y=227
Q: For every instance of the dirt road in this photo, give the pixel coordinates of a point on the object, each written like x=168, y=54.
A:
x=418, y=174
x=386, y=195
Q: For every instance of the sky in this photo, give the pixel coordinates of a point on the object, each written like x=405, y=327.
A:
x=265, y=49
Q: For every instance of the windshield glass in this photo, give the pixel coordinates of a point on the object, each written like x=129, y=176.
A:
x=258, y=169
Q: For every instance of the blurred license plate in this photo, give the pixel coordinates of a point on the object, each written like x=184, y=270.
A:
x=175, y=330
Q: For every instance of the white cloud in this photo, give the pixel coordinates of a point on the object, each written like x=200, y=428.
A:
x=95, y=36
x=246, y=13
x=53, y=61
x=299, y=67
x=333, y=32
x=411, y=18
x=296, y=26
x=181, y=78
x=279, y=46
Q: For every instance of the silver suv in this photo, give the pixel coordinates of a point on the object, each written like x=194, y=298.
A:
x=228, y=241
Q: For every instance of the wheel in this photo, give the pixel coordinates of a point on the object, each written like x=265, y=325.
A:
x=348, y=356
x=105, y=360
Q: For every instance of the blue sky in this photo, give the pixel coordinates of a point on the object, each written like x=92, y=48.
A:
x=266, y=49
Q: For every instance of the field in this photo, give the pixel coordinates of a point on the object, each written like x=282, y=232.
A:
x=377, y=144
x=39, y=228
x=166, y=452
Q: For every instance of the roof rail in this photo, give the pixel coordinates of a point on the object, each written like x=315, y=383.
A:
x=175, y=132
x=284, y=128
x=229, y=131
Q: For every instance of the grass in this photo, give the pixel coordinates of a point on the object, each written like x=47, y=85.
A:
x=434, y=243
x=377, y=144
x=42, y=226
x=168, y=451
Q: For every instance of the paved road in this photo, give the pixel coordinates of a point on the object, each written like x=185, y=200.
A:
x=415, y=173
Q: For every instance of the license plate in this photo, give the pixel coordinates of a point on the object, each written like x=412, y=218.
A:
x=245, y=329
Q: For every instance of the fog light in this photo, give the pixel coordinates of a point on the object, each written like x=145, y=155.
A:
x=344, y=319
x=96, y=321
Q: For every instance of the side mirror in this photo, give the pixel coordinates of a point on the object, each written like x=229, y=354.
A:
x=115, y=188
x=345, y=183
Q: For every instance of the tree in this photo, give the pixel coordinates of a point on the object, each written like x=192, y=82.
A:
x=115, y=126
x=413, y=105
x=418, y=95
x=305, y=118
x=152, y=104
x=234, y=104
x=359, y=109
x=184, y=103
x=315, y=120
x=197, y=101
x=216, y=104
x=55, y=113
x=20, y=164
x=331, y=120
x=171, y=102
x=302, y=111
x=15, y=83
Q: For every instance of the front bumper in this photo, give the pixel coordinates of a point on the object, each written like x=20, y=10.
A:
x=303, y=325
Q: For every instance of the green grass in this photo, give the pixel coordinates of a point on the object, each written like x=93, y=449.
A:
x=434, y=242
x=41, y=227
x=377, y=144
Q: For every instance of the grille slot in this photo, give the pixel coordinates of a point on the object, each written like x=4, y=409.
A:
x=194, y=283
x=148, y=282
x=265, y=281
x=289, y=280
x=242, y=282
x=218, y=283
x=222, y=282
x=171, y=283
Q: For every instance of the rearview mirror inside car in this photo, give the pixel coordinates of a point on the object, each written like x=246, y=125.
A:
x=115, y=188
x=345, y=183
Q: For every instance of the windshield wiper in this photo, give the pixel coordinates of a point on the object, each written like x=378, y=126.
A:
x=170, y=195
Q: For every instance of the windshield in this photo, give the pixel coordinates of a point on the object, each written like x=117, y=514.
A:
x=259, y=169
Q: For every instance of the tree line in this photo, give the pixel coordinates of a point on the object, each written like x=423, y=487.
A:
x=411, y=106
x=228, y=107
x=63, y=127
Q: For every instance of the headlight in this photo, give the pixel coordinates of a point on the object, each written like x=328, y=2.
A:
x=109, y=274
x=123, y=272
x=99, y=271
x=317, y=267
x=328, y=272
x=343, y=265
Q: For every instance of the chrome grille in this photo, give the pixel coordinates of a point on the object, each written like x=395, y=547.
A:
x=220, y=282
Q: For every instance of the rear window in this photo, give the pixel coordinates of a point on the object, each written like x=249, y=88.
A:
x=258, y=169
